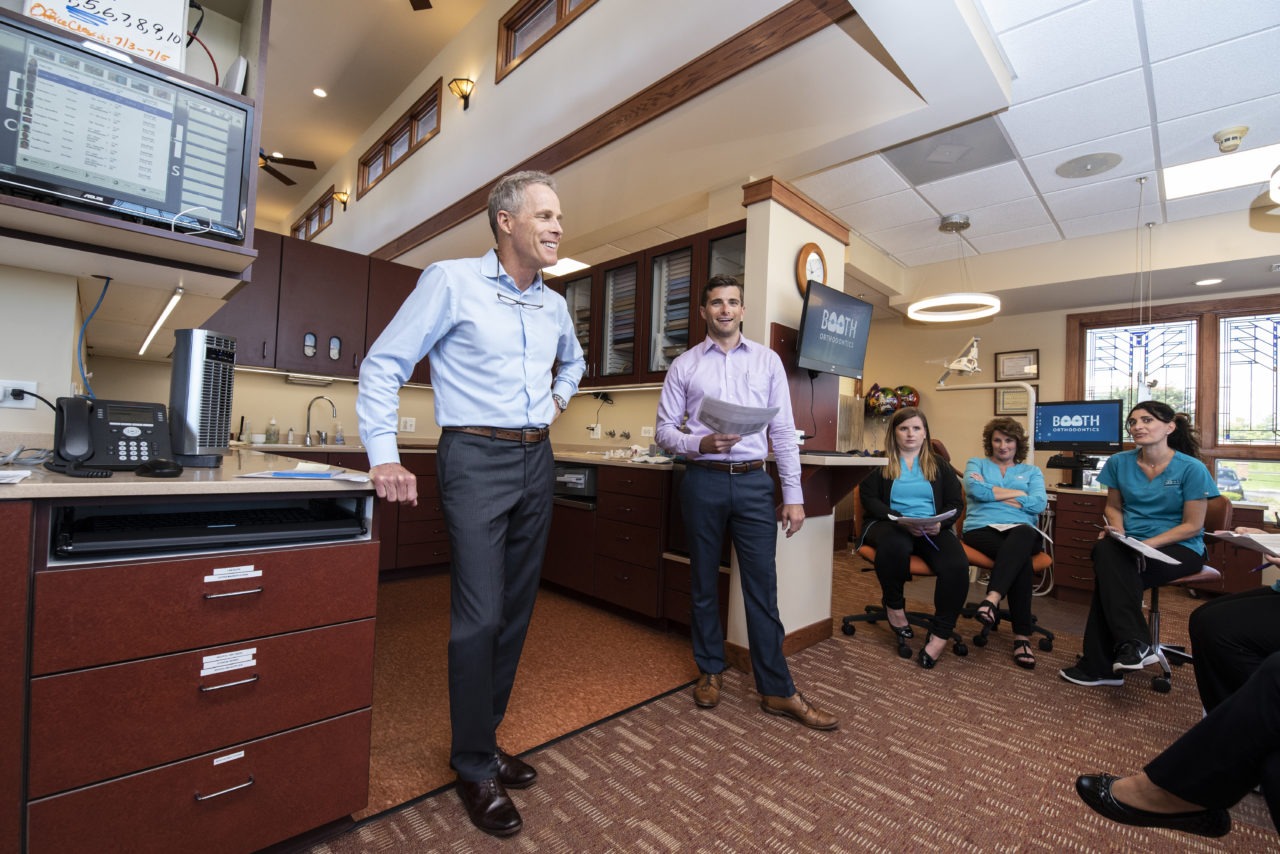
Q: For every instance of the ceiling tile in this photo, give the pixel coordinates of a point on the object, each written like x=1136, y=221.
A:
x=1135, y=149
x=1011, y=216
x=1191, y=138
x=1007, y=14
x=1181, y=26
x=1092, y=111
x=938, y=255
x=887, y=212
x=912, y=237
x=1237, y=199
x=1092, y=199
x=856, y=181
x=1109, y=221
x=954, y=151
x=1207, y=79
x=1016, y=239
x=1080, y=44
x=1002, y=183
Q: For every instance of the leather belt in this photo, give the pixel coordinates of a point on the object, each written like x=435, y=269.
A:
x=731, y=467
x=524, y=435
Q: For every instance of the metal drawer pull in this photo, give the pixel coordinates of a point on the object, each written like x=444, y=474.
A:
x=207, y=688
x=245, y=785
x=234, y=593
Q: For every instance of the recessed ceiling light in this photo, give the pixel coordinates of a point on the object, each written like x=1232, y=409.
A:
x=319, y=93
x=563, y=267
x=1221, y=172
x=1206, y=282
x=1088, y=165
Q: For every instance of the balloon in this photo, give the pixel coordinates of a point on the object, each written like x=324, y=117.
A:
x=907, y=396
x=882, y=401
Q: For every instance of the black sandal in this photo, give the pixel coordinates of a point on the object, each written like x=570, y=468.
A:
x=986, y=613
x=1022, y=655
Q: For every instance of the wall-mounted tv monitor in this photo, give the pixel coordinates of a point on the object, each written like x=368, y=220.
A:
x=1084, y=426
x=833, y=332
x=87, y=126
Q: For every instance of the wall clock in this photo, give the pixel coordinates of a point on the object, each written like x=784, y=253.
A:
x=810, y=264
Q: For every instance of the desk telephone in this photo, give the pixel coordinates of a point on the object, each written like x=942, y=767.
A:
x=93, y=437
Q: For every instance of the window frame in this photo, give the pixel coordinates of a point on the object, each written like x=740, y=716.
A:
x=409, y=123
x=1208, y=316
x=322, y=209
x=520, y=14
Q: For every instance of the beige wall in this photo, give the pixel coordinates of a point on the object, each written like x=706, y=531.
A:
x=38, y=327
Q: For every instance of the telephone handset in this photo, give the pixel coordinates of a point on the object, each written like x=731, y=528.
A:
x=93, y=437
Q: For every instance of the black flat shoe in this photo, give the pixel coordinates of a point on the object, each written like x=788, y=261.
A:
x=927, y=661
x=903, y=632
x=1095, y=790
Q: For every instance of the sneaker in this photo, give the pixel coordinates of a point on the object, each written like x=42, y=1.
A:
x=1077, y=676
x=1133, y=655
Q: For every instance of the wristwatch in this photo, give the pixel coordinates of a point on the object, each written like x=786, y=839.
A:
x=560, y=402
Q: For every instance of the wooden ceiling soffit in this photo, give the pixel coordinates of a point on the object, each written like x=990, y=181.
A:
x=786, y=27
x=778, y=190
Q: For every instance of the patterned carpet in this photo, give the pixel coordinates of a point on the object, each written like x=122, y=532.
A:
x=975, y=755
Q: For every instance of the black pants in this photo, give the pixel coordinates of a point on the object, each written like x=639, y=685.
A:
x=1230, y=638
x=1229, y=752
x=1012, y=576
x=1115, y=614
x=497, y=504
x=945, y=556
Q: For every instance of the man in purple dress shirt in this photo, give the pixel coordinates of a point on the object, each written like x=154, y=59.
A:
x=727, y=485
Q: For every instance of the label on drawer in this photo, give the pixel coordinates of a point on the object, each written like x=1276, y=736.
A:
x=230, y=757
x=224, y=661
x=233, y=573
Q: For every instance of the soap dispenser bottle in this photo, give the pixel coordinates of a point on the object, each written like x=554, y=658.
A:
x=273, y=432
x=289, y=439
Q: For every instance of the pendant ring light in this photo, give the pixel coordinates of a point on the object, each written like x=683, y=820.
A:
x=947, y=308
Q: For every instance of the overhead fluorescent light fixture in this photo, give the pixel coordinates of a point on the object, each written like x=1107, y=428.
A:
x=1239, y=169
x=564, y=267
x=164, y=315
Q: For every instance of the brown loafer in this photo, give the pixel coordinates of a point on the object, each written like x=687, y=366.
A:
x=489, y=806
x=797, y=707
x=706, y=694
x=513, y=772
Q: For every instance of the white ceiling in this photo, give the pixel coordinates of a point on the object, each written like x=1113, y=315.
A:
x=1148, y=80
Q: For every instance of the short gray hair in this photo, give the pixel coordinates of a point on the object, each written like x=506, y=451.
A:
x=508, y=194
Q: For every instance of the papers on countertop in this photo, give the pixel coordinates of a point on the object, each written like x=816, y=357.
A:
x=312, y=471
x=734, y=419
x=1140, y=547
x=14, y=476
x=1267, y=544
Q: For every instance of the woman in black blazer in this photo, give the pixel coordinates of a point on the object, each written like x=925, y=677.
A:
x=916, y=483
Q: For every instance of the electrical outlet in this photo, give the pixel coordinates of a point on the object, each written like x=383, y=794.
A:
x=646, y=431
x=594, y=430
x=408, y=425
x=7, y=401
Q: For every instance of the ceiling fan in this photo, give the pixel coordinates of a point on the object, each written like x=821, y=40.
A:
x=265, y=160
x=420, y=5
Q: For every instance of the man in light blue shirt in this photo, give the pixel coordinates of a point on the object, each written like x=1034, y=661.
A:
x=493, y=331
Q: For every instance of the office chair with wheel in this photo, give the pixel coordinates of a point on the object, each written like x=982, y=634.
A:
x=918, y=569
x=1217, y=517
x=1041, y=563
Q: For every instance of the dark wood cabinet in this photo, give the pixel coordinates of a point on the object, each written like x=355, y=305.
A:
x=630, y=532
x=250, y=314
x=15, y=574
x=321, y=322
x=1236, y=565
x=389, y=285
x=571, y=546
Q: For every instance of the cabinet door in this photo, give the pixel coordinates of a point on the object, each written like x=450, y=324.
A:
x=580, y=295
x=323, y=296
x=389, y=286
x=15, y=574
x=250, y=314
x=621, y=320
x=670, y=303
x=570, y=556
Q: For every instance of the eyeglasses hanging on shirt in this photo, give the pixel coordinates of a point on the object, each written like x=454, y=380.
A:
x=531, y=306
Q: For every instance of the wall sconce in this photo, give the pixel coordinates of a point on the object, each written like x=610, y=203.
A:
x=342, y=198
x=462, y=87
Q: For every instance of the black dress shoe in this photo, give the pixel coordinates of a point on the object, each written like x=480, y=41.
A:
x=489, y=806
x=1095, y=790
x=514, y=772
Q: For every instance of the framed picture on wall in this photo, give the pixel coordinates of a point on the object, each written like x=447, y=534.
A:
x=1013, y=400
x=1018, y=365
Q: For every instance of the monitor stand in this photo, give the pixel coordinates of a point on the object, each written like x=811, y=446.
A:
x=1079, y=464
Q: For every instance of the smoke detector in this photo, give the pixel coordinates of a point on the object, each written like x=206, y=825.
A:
x=1229, y=139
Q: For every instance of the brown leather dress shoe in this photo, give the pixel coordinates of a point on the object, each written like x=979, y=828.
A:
x=706, y=694
x=513, y=772
x=796, y=706
x=489, y=806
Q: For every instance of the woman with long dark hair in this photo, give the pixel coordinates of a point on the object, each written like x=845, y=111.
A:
x=1157, y=493
x=916, y=483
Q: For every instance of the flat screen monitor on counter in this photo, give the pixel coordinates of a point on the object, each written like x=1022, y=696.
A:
x=87, y=126
x=833, y=332
x=1083, y=426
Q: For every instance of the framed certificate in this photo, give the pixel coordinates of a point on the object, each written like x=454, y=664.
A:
x=1018, y=365
x=1013, y=400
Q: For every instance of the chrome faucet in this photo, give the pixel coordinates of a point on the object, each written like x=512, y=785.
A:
x=306, y=441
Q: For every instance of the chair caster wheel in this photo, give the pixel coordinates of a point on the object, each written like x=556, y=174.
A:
x=979, y=641
x=960, y=648
x=1046, y=645
x=904, y=651
x=1160, y=684
x=848, y=629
